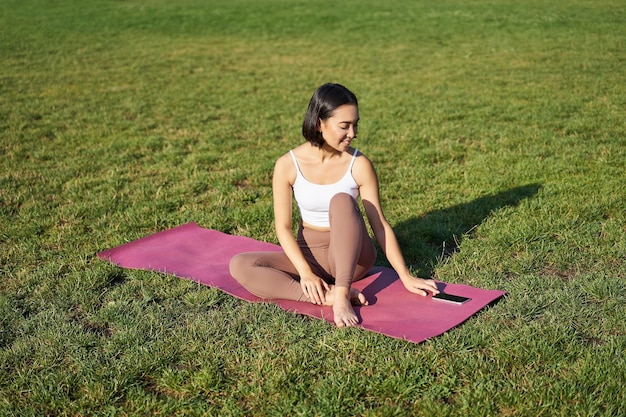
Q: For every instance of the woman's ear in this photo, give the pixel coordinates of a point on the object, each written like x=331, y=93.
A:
x=319, y=124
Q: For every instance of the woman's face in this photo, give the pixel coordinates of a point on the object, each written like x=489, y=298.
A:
x=341, y=127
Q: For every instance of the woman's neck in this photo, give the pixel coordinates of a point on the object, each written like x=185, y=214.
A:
x=325, y=152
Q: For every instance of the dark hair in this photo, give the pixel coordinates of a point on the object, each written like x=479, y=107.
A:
x=326, y=99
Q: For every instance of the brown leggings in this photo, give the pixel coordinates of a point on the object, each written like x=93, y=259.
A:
x=339, y=256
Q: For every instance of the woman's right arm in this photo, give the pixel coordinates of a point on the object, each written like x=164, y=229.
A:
x=282, y=181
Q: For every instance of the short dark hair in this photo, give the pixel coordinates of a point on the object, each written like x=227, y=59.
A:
x=326, y=99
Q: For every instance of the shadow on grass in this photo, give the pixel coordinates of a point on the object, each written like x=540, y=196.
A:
x=434, y=236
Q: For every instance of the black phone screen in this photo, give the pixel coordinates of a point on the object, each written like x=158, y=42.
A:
x=456, y=299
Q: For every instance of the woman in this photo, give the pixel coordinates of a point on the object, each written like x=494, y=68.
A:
x=332, y=248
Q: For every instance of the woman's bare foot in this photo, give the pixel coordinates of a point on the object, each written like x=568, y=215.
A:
x=357, y=298
x=342, y=299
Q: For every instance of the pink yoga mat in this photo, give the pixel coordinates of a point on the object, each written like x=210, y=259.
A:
x=202, y=255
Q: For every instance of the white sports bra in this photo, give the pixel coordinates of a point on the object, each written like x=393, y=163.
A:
x=314, y=199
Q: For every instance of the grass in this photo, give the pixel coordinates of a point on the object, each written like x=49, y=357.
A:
x=497, y=129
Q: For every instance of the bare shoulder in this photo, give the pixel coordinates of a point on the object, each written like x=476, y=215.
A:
x=284, y=168
x=301, y=152
x=363, y=169
x=283, y=159
x=360, y=157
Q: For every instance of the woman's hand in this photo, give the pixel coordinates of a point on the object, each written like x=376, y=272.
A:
x=420, y=286
x=314, y=287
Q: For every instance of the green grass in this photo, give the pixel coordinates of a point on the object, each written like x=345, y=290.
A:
x=497, y=128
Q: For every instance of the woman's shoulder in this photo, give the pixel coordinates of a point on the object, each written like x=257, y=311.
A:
x=360, y=157
x=300, y=151
x=284, y=166
x=363, y=169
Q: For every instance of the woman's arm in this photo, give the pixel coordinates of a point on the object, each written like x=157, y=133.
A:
x=365, y=175
x=284, y=176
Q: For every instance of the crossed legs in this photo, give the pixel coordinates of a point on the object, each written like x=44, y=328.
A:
x=340, y=256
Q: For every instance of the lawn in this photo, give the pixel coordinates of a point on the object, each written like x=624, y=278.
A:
x=498, y=132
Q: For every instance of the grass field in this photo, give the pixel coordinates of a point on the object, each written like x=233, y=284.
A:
x=498, y=131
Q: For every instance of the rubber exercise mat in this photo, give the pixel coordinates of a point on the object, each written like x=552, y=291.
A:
x=202, y=255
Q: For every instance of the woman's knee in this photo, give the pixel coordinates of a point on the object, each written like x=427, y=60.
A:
x=343, y=204
x=342, y=200
x=239, y=266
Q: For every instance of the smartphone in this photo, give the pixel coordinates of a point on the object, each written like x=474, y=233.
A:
x=456, y=299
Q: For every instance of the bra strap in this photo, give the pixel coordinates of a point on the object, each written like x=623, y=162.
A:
x=295, y=161
x=356, y=151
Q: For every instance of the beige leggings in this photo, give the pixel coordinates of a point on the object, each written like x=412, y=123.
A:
x=339, y=256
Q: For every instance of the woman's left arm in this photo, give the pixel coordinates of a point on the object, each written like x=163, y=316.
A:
x=365, y=175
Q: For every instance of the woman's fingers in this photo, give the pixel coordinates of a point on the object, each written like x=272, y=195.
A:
x=315, y=289
x=315, y=292
x=423, y=286
x=320, y=295
x=313, y=295
x=431, y=286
